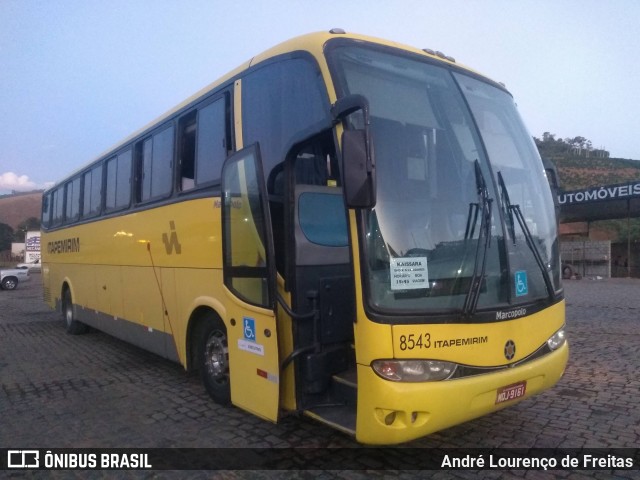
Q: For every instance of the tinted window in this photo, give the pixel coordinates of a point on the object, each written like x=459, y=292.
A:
x=281, y=101
x=322, y=219
x=156, y=166
x=212, y=141
x=244, y=229
x=145, y=170
x=162, y=163
x=46, y=210
x=118, y=192
x=57, y=200
x=187, y=150
x=73, y=200
x=92, y=192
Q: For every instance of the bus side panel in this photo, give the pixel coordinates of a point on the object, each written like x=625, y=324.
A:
x=142, y=300
x=173, y=325
x=82, y=279
x=79, y=278
x=109, y=288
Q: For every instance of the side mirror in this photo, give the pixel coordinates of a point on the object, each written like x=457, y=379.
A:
x=358, y=170
x=358, y=164
x=552, y=175
x=554, y=183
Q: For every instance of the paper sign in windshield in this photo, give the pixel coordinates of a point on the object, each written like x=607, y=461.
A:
x=409, y=273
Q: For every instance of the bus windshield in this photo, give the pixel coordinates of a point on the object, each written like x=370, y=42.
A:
x=464, y=217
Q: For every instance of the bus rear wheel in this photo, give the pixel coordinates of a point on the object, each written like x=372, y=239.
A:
x=73, y=326
x=213, y=360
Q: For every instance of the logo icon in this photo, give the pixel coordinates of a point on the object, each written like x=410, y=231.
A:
x=171, y=242
x=522, y=286
x=23, y=459
x=249, y=329
x=510, y=349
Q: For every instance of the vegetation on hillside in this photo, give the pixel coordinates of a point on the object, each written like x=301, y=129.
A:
x=582, y=166
x=9, y=235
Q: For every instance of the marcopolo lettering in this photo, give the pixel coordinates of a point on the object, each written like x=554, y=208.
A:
x=520, y=312
x=67, y=245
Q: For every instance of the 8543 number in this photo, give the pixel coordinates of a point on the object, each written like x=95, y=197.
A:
x=413, y=341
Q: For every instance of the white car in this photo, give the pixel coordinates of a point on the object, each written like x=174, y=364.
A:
x=31, y=266
x=10, y=277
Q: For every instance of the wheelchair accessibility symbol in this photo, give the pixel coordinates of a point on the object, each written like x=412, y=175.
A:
x=249, y=329
x=522, y=287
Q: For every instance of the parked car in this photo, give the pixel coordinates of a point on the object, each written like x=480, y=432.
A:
x=10, y=277
x=31, y=266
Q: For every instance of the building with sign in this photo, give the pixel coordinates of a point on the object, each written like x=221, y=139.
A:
x=32, y=247
x=578, y=208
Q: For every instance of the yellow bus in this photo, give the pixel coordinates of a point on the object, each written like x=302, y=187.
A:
x=343, y=227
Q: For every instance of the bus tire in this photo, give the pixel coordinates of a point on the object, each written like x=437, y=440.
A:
x=213, y=359
x=73, y=326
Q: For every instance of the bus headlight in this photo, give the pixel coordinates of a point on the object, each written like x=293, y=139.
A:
x=413, y=370
x=556, y=340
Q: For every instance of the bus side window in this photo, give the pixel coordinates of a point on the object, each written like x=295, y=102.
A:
x=72, y=192
x=92, y=192
x=154, y=165
x=46, y=213
x=57, y=200
x=118, y=186
x=212, y=141
x=187, y=151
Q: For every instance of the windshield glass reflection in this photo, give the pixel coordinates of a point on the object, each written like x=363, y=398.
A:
x=437, y=229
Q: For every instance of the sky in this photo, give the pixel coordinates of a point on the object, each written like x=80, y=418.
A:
x=78, y=76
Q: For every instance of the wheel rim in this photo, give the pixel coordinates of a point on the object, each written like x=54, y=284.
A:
x=10, y=284
x=217, y=357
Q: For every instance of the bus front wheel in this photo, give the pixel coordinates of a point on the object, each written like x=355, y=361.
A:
x=213, y=359
x=73, y=326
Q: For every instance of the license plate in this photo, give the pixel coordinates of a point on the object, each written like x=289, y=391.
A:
x=511, y=392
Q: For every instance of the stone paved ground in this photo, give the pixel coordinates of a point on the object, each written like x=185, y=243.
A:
x=92, y=390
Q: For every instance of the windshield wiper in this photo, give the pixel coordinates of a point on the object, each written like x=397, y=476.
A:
x=484, y=239
x=515, y=210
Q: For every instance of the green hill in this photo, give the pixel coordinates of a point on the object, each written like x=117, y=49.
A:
x=581, y=166
x=580, y=172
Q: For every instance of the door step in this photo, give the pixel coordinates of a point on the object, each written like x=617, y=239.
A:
x=344, y=387
x=340, y=417
x=338, y=408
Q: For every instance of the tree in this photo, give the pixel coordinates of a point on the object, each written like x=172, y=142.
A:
x=557, y=148
x=31, y=223
x=6, y=237
x=624, y=228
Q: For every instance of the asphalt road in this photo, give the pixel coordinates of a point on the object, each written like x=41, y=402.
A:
x=93, y=391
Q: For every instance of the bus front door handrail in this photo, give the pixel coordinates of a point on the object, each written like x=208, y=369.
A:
x=314, y=315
